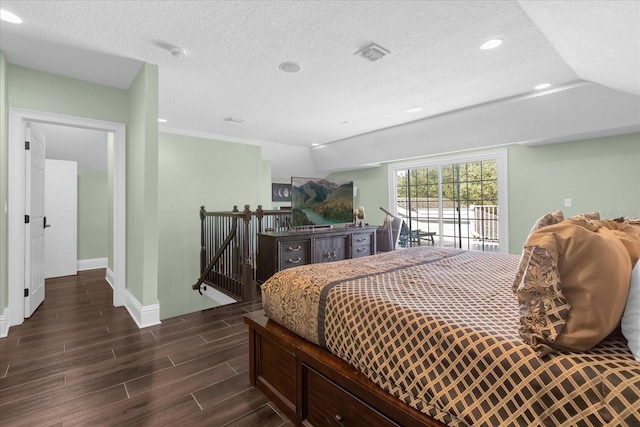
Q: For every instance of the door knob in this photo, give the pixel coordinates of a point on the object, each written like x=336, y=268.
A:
x=45, y=223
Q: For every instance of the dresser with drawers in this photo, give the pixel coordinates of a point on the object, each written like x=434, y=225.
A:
x=280, y=250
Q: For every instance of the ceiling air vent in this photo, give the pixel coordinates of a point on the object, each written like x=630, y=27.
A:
x=372, y=52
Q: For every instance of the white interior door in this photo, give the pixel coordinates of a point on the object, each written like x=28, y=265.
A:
x=34, y=236
x=61, y=207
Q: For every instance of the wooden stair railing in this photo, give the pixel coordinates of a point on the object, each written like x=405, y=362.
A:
x=228, y=249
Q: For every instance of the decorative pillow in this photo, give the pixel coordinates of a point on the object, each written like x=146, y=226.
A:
x=548, y=219
x=544, y=221
x=574, y=287
x=631, y=316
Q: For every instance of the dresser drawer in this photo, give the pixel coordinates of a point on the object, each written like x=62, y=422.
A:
x=361, y=239
x=327, y=404
x=360, y=251
x=293, y=253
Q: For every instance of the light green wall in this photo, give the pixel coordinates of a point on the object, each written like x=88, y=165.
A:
x=93, y=207
x=266, y=189
x=372, y=193
x=142, y=186
x=4, y=137
x=37, y=90
x=598, y=175
x=194, y=172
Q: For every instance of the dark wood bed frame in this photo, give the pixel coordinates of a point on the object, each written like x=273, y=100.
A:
x=312, y=387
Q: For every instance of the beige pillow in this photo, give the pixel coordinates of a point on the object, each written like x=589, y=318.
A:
x=544, y=221
x=574, y=287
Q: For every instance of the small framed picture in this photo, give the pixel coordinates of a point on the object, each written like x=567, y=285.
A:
x=280, y=192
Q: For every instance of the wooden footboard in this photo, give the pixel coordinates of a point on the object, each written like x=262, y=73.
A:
x=312, y=387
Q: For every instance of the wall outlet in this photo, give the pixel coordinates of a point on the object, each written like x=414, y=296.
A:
x=567, y=203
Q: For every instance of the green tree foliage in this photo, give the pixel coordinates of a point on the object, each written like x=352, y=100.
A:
x=474, y=183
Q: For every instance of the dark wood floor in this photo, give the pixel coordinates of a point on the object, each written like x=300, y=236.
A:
x=79, y=361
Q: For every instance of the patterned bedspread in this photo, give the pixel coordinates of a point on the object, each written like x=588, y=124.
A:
x=438, y=329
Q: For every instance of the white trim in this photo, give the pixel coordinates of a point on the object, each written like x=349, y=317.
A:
x=4, y=323
x=502, y=160
x=144, y=316
x=16, y=201
x=16, y=231
x=109, y=277
x=92, y=263
x=217, y=296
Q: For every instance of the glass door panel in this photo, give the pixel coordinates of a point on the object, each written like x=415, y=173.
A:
x=456, y=205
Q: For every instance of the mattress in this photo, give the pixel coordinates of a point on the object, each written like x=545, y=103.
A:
x=438, y=329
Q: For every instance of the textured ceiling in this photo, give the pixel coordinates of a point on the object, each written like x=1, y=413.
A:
x=234, y=49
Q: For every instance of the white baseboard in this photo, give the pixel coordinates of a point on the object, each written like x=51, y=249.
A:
x=144, y=316
x=92, y=264
x=4, y=323
x=109, y=277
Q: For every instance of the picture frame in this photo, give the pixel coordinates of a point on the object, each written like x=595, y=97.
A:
x=280, y=192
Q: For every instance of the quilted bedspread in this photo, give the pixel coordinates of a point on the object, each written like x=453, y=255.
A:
x=438, y=329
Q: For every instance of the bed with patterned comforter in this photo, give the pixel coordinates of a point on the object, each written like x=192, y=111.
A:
x=438, y=329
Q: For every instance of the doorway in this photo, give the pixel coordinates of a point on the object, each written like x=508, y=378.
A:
x=18, y=118
x=455, y=202
x=77, y=198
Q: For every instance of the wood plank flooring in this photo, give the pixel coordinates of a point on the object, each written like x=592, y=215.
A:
x=79, y=361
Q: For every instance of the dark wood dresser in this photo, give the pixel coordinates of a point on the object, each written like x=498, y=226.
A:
x=280, y=250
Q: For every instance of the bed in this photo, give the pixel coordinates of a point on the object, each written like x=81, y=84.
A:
x=426, y=336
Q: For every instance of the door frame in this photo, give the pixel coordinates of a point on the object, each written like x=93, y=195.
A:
x=18, y=117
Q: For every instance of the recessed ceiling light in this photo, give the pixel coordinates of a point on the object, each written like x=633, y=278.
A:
x=491, y=44
x=414, y=109
x=162, y=120
x=542, y=86
x=7, y=16
x=345, y=122
x=289, y=67
x=315, y=144
x=233, y=120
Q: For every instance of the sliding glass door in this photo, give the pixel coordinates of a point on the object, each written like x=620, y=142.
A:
x=450, y=204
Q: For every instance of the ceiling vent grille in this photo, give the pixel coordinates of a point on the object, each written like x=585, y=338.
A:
x=372, y=52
